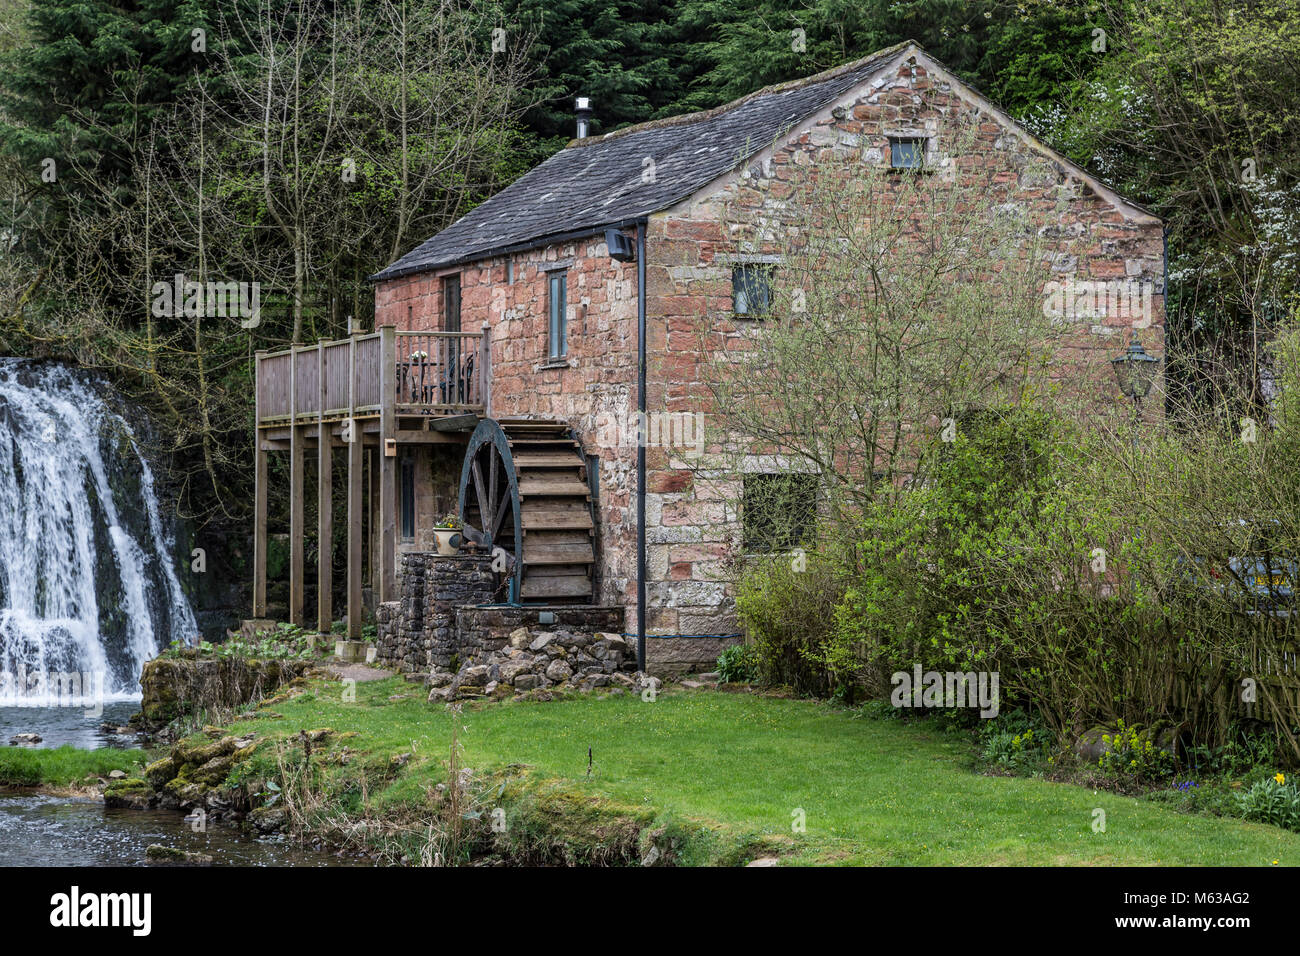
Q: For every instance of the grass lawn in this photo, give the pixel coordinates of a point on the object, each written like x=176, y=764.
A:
x=63, y=766
x=872, y=791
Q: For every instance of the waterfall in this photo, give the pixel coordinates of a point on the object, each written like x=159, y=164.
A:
x=88, y=591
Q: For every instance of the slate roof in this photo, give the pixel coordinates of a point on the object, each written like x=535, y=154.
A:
x=597, y=181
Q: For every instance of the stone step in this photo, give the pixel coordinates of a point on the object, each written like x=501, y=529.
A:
x=351, y=651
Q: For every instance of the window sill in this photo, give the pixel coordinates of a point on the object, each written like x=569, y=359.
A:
x=554, y=363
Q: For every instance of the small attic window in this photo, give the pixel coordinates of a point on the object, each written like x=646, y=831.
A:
x=751, y=289
x=906, y=152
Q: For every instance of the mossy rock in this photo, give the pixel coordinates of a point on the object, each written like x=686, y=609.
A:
x=160, y=771
x=214, y=771
x=199, y=753
x=157, y=853
x=268, y=819
x=132, y=793
x=186, y=792
x=173, y=686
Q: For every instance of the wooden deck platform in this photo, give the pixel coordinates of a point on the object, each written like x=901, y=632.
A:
x=367, y=394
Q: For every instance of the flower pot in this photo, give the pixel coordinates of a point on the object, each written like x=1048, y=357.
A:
x=448, y=540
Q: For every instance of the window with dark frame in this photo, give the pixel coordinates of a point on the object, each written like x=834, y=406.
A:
x=751, y=289
x=451, y=304
x=907, y=152
x=557, y=332
x=778, y=511
x=407, y=474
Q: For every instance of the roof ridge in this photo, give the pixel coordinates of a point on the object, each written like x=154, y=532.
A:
x=701, y=115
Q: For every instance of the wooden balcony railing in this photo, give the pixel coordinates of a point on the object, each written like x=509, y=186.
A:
x=407, y=373
x=440, y=369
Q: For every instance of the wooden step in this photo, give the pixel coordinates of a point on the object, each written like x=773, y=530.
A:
x=543, y=444
x=538, y=520
x=544, y=487
x=535, y=430
x=536, y=586
x=534, y=459
x=541, y=552
x=561, y=535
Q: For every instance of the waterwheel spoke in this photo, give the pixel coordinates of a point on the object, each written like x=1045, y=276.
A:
x=504, y=506
x=484, y=502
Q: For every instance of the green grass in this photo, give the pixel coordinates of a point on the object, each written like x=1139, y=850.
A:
x=62, y=766
x=872, y=791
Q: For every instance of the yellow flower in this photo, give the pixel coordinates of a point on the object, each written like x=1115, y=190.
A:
x=1280, y=778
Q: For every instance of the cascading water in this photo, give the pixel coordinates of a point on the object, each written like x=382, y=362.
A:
x=88, y=592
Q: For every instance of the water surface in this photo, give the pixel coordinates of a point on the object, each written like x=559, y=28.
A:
x=70, y=725
x=38, y=830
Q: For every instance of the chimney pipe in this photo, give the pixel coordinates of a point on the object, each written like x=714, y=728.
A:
x=582, y=110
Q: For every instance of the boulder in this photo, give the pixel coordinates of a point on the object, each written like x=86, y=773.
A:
x=473, y=675
x=268, y=819
x=160, y=771
x=541, y=643
x=129, y=794
x=519, y=637
x=558, y=671
x=157, y=853
x=512, y=669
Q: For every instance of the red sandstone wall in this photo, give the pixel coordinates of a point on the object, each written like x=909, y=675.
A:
x=692, y=512
x=593, y=389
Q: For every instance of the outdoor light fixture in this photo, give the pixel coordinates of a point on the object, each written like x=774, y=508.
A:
x=1136, y=373
x=1135, y=370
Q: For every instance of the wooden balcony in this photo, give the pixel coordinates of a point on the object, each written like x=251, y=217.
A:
x=385, y=373
x=366, y=395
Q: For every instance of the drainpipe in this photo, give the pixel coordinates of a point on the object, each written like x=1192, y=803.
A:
x=640, y=446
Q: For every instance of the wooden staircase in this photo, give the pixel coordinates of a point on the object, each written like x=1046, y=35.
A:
x=555, y=512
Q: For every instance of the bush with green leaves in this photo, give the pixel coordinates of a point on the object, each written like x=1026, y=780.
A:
x=1132, y=754
x=786, y=607
x=739, y=664
x=1271, y=801
x=1015, y=740
x=1102, y=578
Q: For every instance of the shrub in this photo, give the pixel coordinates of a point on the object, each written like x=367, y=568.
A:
x=786, y=607
x=739, y=664
x=1134, y=755
x=1016, y=741
x=1271, y=802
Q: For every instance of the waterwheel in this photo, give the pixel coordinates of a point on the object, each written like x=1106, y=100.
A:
x=523, y=489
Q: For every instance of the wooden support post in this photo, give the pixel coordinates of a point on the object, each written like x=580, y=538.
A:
x=324, y=507
x=297, y=531
x=352, y=436
x=387, y=590
x=485, y=375
x=259, y=494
